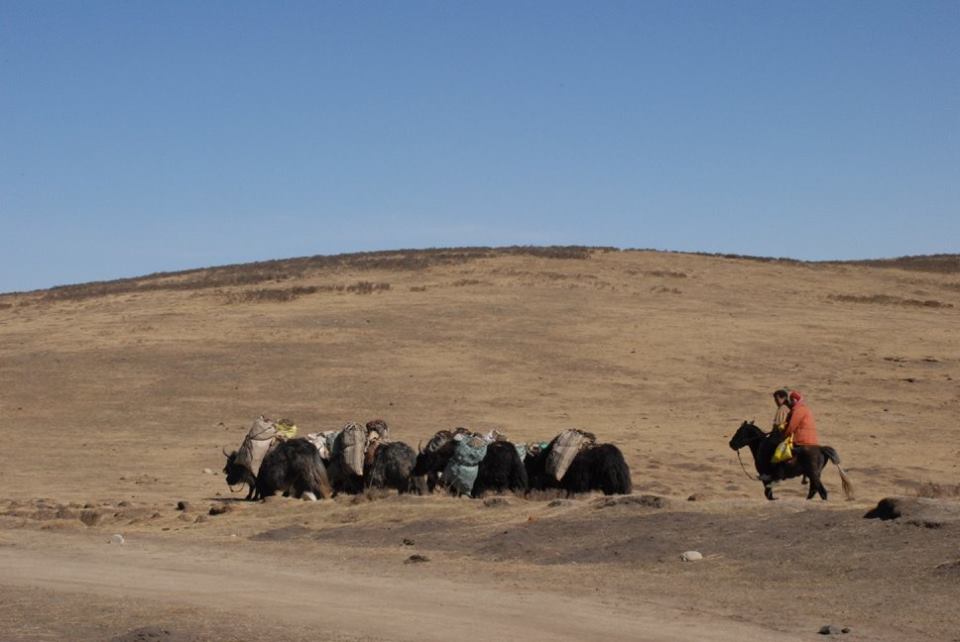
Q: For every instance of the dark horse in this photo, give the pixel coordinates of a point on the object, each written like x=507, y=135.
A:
x=808, y=461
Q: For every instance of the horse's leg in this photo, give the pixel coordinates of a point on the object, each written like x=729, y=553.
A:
x=804, y=466
x=820, y=465
x=768, y=490
x=813, y=464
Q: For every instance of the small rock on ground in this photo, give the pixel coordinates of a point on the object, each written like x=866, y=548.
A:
x=691, y=556
x=416, y=558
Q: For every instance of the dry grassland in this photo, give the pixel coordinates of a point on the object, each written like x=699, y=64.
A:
x=116, y=396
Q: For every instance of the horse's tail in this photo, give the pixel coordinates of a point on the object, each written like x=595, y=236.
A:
x=844, y=479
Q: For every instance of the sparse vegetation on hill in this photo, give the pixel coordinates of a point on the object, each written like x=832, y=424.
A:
x=406, y=260
x=885, y=299
x=280, y=270
x=943, y=263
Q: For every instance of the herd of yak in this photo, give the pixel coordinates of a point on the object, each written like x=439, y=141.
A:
x=461, y=462
x=361, y=457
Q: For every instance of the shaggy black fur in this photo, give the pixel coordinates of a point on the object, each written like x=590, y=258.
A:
x=433, y=459
x=341, y=479
x=500, y=470
x=392, y=465
x=293, y=467
x=601, y=467
x=237, y=474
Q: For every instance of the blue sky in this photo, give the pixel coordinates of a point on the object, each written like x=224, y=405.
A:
x=145, y=136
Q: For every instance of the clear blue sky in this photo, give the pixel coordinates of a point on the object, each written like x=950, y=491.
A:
x=145, y=136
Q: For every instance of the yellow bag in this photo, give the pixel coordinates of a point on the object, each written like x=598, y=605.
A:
x=286, y=428
x=784, y=451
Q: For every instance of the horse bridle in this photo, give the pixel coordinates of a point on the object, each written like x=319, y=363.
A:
x=755, y=478
x=742, y=467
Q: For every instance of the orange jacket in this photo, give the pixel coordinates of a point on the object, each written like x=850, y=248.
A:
x=802, y=426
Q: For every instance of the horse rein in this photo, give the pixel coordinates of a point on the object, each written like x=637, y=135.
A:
x=742, y=467
x=756, y=478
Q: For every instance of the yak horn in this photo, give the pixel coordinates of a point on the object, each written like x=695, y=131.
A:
x=225, y=453
x=420, y=447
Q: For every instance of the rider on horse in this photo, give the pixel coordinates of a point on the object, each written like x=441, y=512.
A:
x=801, y=425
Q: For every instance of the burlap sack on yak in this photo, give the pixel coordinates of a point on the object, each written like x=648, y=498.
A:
x=352, y=446
x=564, y=448
x=258, y=442
x=324, y=443
x=461, y=471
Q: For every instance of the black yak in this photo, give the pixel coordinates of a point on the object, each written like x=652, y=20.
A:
x=809, y=461
x=433, y=459
x=239, y=474
x=500, y=470
x=293, y=467
x=389, y=465
x=600, y=467
x=341, y=479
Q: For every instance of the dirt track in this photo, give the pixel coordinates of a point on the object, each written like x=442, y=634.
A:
x=661, y=354
x=302, y=600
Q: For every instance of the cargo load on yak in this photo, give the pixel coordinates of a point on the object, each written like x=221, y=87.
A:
x=461, y=471
x=261, y=437
x=521, y=450
x=324, y=443
x=351, y=445
x=286, y=428
x=564, y=448
x=378, y=429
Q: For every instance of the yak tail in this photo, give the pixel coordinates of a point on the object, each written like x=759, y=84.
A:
x=844, y=479
x=518, y=475
x=612, y=470
x=316, y=478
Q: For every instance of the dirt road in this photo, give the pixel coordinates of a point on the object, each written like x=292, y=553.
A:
x=349, y=603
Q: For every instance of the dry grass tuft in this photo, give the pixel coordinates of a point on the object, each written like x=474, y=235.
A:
x=280, y=295
x=934, y=490
x=269, y=295
x=366, y=287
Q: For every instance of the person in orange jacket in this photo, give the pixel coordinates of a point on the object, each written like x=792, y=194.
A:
x=801, y=425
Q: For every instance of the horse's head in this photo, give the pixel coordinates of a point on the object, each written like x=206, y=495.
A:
x=746, y=433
